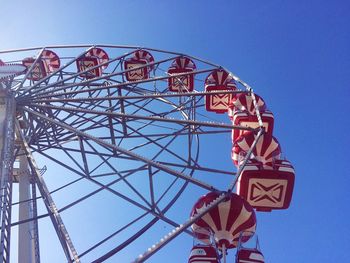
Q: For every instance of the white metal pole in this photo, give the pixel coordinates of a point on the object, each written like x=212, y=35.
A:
x=26, y=241
x=7, y=111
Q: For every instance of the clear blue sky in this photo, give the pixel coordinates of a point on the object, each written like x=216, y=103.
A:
x=295, y=54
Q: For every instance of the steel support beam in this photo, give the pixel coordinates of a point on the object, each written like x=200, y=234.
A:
x=141, y=117
x=26, y=241
x=7, y=140
x=140, y=97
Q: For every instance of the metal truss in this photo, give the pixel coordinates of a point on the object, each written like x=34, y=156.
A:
x=131, y=140
x=6, y=181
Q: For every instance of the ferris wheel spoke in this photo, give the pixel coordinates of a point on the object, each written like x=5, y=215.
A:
x=125, y=152
x=151, y=188
x=93, y=122
x=113, y=234
x=79, y=118
x=127, y=242
x=103, y=187
x=122, y=177
x=101, y=124
x=160, y=119
x=165, y=192
x=87, y=82
x=173, y=133
x=200, y=168
x=48, y=156
x=43, y=148
x=93, y=180
x=84, y=169
x=83, y=121
x=139, y=108
x=60, y=91
x=51, y=192
x=183, y=166
x=142, y=96
x=90, y=105
x=173, y=223
x=156, y=142
x=82, y=104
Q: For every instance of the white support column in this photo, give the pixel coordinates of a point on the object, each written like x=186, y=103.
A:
x=2, y=118
x=26, y=238
x=7, y=115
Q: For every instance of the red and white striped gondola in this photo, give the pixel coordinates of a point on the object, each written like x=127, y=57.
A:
x=266, y=150
x=48, y=63
x=226, y=221
x=267, y=188
x=245, y=119
x=248, y=255
x=51, y=61
x=182, y=83
x=219, y=80
x=203, y=254
x=242, y=112
x=244, y=102
x=139, y=61
x=38, y=71
x=93, y=58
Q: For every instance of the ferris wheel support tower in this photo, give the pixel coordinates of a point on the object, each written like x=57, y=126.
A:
x=26, y=231
x=7, y=140
x=26, y=237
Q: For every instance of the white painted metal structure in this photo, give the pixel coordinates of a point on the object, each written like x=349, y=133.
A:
x=26, y=248
x=133, y=140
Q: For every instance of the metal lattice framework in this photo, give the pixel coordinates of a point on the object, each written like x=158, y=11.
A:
x=132, y=144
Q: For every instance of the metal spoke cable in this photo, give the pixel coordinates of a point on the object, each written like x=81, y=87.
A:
x=138, y=97
x=52, y=93
x=126, y=152
x=47, y=90
x=133, y=189
x=72, y=203
x=170, y=120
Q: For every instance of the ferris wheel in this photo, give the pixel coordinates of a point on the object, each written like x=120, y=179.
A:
x=103, y=142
